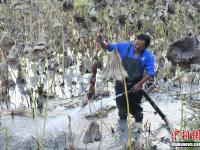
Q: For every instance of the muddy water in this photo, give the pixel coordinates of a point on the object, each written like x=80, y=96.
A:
x=23, y=130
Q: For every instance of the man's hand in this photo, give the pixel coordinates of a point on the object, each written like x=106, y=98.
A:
x=136, y=87
x=101, y=40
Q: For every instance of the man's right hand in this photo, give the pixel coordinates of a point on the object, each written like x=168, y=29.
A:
x=99, y=36
x=101, y=40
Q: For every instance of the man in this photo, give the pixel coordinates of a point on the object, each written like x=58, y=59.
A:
x=138, y=61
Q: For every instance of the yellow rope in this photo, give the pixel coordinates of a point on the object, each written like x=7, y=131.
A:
x=127, y=105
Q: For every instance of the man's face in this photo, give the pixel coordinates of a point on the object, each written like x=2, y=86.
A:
x=139, y=45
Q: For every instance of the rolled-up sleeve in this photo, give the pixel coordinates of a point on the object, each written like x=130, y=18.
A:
x=149, y=66
x=119, y=46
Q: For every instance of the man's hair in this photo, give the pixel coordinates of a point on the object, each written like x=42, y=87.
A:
x=144, y=37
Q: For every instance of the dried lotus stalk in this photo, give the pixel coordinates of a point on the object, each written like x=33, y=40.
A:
x=13, y=58
x=114, y=68
x=41, y=49
x=92, y=133
x=19, y=110
x=94, y=66
x=3, y=73
x=68, y=5
x=56, y=23
x=20, y=77
x=6, y=42
x=28, y=47
x=67, y=60
x=170, y=7
x=42, y=38
x=79, y=18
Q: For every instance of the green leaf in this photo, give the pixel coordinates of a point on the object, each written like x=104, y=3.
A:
x=80, y=2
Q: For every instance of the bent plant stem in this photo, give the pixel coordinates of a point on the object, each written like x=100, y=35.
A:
x=80, y=136
x=36, y=142
x=128, y=110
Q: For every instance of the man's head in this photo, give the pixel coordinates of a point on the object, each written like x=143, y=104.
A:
x=142, y=41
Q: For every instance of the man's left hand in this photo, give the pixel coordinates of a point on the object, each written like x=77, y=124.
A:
x=137, y=87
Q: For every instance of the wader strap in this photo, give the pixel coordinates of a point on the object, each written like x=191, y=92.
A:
x=128, y=49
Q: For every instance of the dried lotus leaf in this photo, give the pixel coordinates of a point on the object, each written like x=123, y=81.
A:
x=114, y=68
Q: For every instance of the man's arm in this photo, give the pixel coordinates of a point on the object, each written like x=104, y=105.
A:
x=149, y=74
x=103, y=44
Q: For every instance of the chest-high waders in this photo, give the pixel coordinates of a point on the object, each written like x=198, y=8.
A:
x=134, y=70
